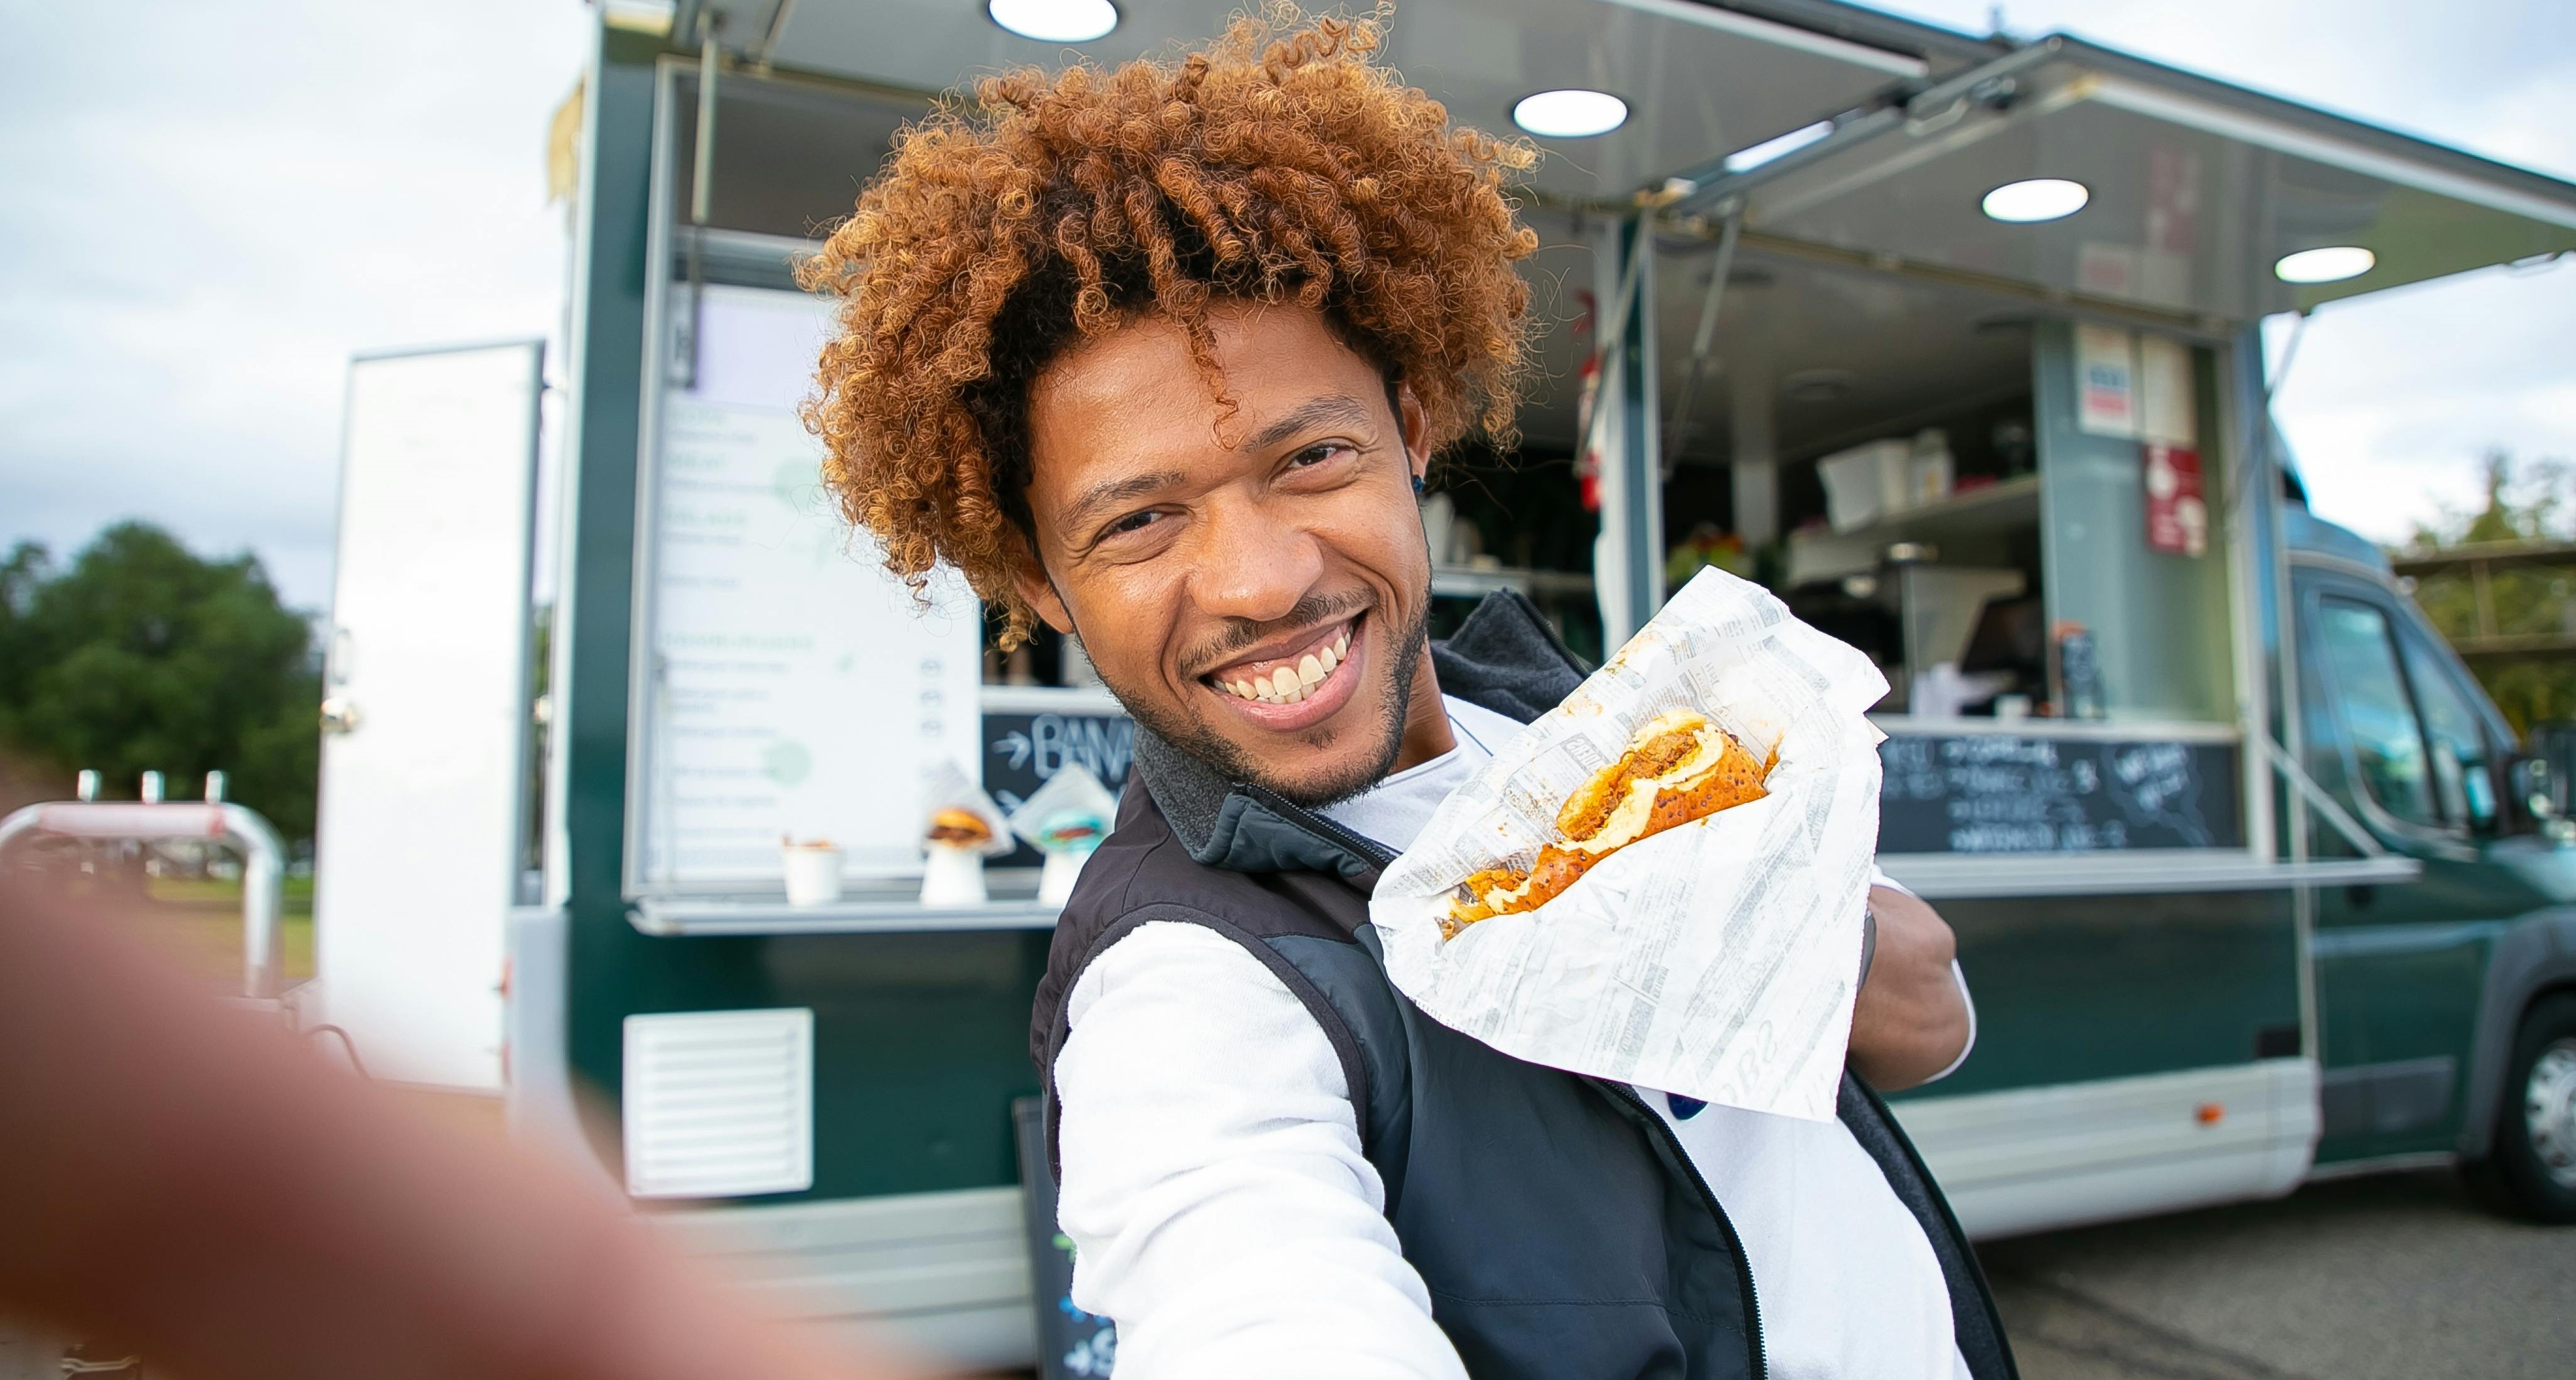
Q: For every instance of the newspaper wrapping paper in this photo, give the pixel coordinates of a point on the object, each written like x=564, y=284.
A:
x=1717, y=959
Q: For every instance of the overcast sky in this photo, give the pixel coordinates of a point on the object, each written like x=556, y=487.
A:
x=209, y=207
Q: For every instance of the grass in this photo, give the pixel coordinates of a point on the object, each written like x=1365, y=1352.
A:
x=197, y=923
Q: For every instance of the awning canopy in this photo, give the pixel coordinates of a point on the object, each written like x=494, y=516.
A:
x=1854, y=133
x=1695, y=77
x=2197, y=190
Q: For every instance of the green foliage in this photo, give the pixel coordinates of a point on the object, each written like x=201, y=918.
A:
x=2524, y=503
x=142, y=656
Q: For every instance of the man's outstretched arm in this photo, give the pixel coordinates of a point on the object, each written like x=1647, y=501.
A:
x=177, y=1178
x=1912, y=1022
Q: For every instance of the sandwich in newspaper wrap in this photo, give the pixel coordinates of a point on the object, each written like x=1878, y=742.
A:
x=1661, y=880
x=1676, y=769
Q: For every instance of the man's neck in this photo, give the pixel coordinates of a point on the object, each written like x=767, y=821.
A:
x=1426, y=720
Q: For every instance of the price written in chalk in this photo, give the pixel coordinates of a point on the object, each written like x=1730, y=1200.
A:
x=2008, y=793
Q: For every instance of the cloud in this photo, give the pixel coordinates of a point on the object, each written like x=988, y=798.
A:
x=212, y=207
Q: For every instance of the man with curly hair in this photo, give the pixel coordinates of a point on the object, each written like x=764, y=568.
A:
x=1161, y=356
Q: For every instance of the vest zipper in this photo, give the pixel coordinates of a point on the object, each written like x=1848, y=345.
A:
x=1743, y=1263
x=1377, y=853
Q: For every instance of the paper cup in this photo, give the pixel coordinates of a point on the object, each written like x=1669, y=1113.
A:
x=813, y=875
x=1063, y=868
x=954, y=877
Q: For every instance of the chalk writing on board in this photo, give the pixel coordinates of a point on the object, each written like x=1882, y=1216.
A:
x=1071, y=1342
x=1023, y=751
x=2003, y=793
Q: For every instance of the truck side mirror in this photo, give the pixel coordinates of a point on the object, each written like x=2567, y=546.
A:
x=2537, y=787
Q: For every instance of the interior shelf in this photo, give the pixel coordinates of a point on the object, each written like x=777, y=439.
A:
x=1982, y=512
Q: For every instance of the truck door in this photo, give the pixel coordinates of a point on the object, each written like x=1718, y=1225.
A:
x=418, y=848
x=2394, y=728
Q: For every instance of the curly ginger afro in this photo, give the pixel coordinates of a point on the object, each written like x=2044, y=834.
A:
x=1274, y=165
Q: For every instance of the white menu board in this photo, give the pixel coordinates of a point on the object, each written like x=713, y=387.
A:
x=795, y=688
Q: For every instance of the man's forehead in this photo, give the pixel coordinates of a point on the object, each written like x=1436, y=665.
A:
x=1137, y=388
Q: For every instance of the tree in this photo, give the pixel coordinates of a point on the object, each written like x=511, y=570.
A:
x=2524, y=503
x=143, y=656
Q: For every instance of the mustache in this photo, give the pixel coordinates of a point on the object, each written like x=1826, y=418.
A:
x=1313, y=611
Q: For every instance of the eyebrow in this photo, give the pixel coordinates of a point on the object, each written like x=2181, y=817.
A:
x=1112, y=492
x=1314, y=412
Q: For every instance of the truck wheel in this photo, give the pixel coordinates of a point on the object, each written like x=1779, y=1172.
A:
x=2532, y=1170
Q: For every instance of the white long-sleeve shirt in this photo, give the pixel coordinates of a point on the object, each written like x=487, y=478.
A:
x=1223, y=1215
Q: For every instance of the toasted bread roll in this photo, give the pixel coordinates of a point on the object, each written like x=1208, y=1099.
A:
x=1677, y=768
x=959, y=828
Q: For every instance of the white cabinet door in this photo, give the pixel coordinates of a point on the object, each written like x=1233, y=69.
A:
x=417, y=847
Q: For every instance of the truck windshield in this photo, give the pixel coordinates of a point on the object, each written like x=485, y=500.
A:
x=2385, y=732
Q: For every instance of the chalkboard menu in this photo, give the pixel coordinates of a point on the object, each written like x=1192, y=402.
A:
x=2006, y=793
x=1021, y=750
x=1072, y=1344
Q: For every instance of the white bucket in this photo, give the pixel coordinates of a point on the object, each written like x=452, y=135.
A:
x=813, y=874
x=1055, y=881
x=954, y=877
x=1867, y=483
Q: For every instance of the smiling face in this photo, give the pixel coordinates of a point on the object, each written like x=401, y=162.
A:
x=1253, y=587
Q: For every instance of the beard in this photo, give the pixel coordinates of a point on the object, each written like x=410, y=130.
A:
x=1192, y=733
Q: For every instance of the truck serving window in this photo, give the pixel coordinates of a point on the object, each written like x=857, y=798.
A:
x=2385, y=733
x=2462, y=771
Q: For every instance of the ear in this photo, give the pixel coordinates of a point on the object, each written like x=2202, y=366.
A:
x=1030, y=580
x=1416, y=426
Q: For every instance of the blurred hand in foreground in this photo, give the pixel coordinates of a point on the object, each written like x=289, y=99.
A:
x=189, y=1181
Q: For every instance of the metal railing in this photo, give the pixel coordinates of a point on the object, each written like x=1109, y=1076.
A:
x=263, y=860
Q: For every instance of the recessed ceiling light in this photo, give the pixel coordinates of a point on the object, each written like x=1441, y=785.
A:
x=2332, y=264
x=2039, y=198
x=1055, y=21
x=1574, y=113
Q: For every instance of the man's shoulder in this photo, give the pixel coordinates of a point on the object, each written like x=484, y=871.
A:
x=1142, y=873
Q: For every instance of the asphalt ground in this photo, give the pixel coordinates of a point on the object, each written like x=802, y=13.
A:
x=2396, y=1275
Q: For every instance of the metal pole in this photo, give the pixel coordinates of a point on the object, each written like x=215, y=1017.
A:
x=1702, y=342
x=1640, y=379
x=263, y=901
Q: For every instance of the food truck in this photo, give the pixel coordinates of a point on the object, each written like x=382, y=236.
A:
x=1953, y=342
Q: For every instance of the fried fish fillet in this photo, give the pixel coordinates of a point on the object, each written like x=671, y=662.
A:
x=1677, y=768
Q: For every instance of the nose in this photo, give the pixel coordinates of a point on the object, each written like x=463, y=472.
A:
x=1250, y=564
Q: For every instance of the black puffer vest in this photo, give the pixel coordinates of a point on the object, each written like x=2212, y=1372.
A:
x=1560, y=1228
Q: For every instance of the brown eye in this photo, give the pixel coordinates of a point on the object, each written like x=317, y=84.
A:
x=1133, y=522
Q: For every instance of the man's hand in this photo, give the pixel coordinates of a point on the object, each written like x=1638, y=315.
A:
x=1911, y=1020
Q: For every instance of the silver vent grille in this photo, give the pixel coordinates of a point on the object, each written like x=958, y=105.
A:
x=719, y=1104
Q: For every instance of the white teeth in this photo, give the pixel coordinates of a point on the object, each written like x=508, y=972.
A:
x=1290, y=684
